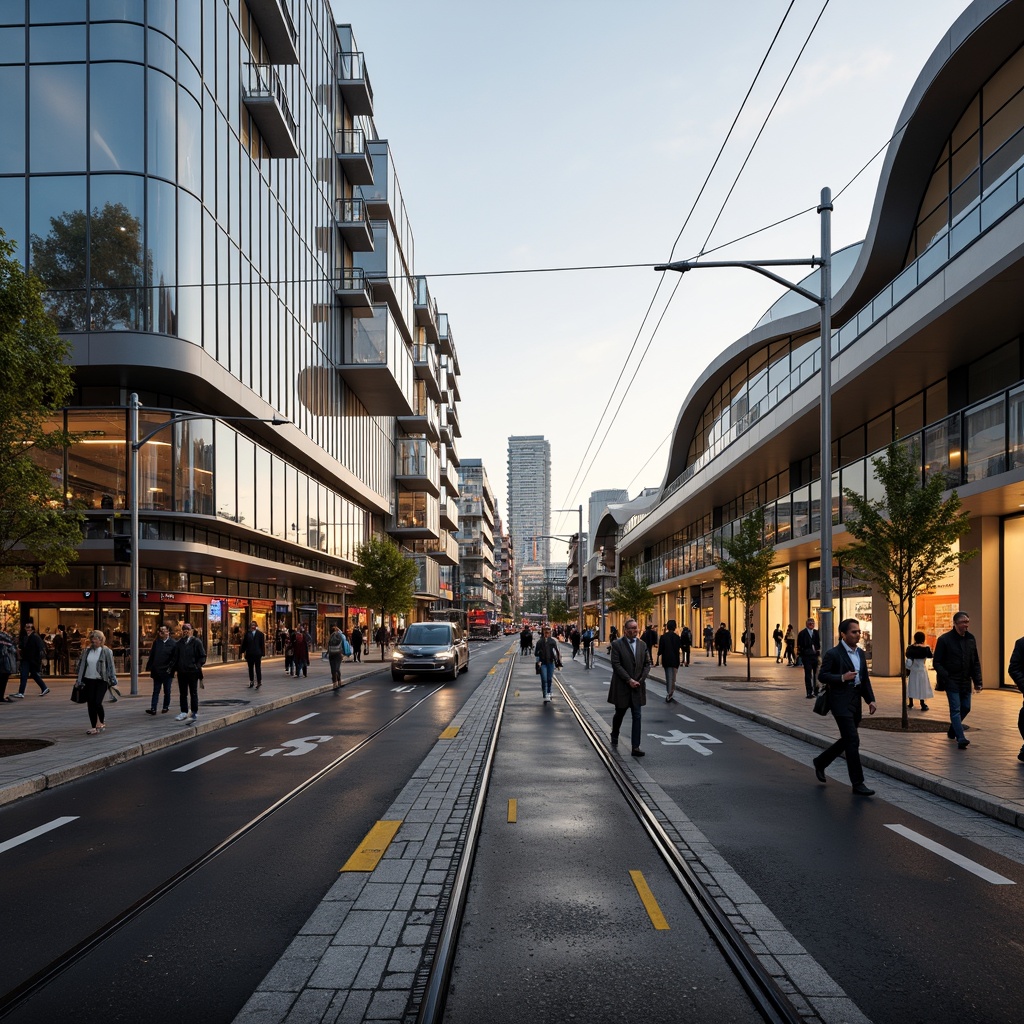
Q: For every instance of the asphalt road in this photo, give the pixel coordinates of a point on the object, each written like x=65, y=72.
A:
x=200, y=950
x=909, y=934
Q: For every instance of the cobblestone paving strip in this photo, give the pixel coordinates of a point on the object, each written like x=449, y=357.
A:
x=365, y=952
x=814, y=994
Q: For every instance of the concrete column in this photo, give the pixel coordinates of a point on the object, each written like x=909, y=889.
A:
x=885, y=638
x=798, y=603
x=979, y=594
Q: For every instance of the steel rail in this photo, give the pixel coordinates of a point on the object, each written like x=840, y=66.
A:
x=769, y=999
x=12, y=999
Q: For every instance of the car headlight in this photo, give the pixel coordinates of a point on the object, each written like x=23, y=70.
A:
x=445, y=655
x=397, y=655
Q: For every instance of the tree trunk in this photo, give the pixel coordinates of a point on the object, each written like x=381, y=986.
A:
x=904, y=717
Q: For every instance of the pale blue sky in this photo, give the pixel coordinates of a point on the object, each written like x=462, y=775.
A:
x=578, y=132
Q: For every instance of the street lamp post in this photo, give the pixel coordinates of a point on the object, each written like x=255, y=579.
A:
x=824, y=303
x=135, y=444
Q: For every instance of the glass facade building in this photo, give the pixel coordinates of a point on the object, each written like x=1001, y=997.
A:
x=187, y=180
x=926, y=347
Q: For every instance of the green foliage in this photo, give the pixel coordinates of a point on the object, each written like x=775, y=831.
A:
x=384, y=578
x=35, y=381
x=746, y=566
x=558, y=610
x=903, y=543
x=631, y=597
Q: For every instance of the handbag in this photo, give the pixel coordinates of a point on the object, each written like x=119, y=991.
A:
x=78, y=694
x=112, y=694
x=821, y=703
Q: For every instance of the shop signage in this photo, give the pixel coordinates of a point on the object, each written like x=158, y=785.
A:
x=168, y=597
x=282, y=608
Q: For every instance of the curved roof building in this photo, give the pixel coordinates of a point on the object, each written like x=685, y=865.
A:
x=927, y=342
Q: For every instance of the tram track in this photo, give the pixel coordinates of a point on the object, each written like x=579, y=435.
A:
x=21, y=993
x=768, y=999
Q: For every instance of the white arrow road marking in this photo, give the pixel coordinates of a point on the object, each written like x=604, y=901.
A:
x=203, y=760
x=951, y=855
x=675, y=738
x=304, y=718
x=359, y=694
x=685, y=719
x=306, y=745
x=401, y=689
x=35, y=833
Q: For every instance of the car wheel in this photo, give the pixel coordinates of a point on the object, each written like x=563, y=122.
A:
x=465, y=667
x=454, y=673
x=397, y=677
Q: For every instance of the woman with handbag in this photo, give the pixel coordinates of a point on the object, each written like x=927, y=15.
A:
x=919, y=686
x=95, y=674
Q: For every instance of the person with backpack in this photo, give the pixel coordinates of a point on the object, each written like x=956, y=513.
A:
x=686, y=638
x=670, y=649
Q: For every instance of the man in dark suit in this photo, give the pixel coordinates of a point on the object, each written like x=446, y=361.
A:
x=808, y=647
x=1016, y=672
x=253, y=648
x=844, y=670
x=631, y=661
x=957, y=669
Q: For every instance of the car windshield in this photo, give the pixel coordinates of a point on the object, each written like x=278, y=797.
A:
x=427, y=633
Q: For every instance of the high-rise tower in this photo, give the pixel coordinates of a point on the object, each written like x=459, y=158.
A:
x=529, y=499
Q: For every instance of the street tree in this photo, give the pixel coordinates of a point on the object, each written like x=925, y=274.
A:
x=632, y=597
x=385, y=578
x=558, y=610
x=905, y=541
x=35, y=381
x=746, y=567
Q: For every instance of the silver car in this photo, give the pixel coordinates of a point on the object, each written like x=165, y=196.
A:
x=430, y=648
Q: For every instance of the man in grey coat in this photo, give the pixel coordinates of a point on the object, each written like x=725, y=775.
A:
x=631, y=662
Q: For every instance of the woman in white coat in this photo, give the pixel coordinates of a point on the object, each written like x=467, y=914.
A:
x=919, y=686
x=96, y=674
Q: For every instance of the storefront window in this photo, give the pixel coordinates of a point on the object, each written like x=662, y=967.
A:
x=155, y=463
x=193, y=466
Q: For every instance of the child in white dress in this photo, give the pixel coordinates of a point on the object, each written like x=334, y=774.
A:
x=918, y=684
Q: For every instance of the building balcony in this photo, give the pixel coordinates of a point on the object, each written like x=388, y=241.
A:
x=424, y=361
x=450, y=478
x=449, y=514
x=426, y=310
x=445, y=549
x=354, y=156
x=276, y=30
x=377, y=365
x=428, y=576
x=453, y=421
x=444, y=335
x=453, y=455
x=353, y=292
x=353, y=224
x=354, y=84
x=417, y=465
x=450, y=377
x=265, y=99
x=422, y=419
x=417, y=515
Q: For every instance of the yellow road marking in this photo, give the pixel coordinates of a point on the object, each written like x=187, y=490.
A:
x=649, y=902
x=450, y=733
x=513, y=810
x=371, y=849
x=516, y=693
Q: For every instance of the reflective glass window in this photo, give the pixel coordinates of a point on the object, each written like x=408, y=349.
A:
x=12, y=12
x=985, y=436
x=117, y=124
x=161, y=16
x=97, y=471
x=263, y=491
x=190, y=268
x=154, y=459
x=1004, y=83
x=116, y=247
x=190, y=168
x=224, y=475
x=162, y=53
x=1016, y=432
x=246, y=475
x=57, y=226
x=190, y=28
x=161, y=221
x=12, y=46
x=12, y=152
x=160, y=125
x=118, y=10
x=57, y=119
x=42, y=11
x=56, y=43
x=117, y=41
x=193, y=467
x=276, y=489
x=12, y=214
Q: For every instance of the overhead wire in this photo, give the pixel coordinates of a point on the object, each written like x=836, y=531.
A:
x=643, y=356
x=661, y=280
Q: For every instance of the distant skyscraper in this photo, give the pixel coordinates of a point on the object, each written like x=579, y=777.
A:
x=529, y=498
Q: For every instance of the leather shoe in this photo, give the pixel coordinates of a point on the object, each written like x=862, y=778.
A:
x=615, y=740
x=861, y=790
x=819, y=773
x=964, y=745
x=637, y=752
